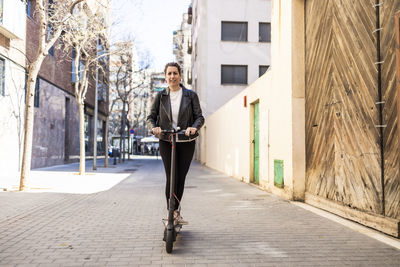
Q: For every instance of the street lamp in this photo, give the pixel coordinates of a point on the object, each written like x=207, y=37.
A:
x=95, y=109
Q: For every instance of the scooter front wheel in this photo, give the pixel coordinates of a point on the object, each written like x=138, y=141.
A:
x=169, y=242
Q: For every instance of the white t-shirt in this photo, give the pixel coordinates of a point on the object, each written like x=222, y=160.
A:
x=175, y=97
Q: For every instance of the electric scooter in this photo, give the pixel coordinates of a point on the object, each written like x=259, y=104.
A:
x=172, y=227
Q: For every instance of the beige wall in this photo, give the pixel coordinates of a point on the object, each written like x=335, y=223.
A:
x=280, y=93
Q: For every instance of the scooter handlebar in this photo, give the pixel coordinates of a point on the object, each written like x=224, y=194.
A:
x=179, y=132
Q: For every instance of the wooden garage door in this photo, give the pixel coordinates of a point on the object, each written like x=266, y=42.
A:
x=342, y=142
x=352, y=144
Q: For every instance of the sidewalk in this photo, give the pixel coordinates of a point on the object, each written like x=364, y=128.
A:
x=230, y=224
x=66, y=179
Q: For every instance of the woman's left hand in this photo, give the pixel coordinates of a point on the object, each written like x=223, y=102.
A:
x=190, y=131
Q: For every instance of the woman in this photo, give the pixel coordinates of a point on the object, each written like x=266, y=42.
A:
x=175, y=107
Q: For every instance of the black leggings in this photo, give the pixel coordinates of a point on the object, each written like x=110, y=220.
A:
x=184, y=155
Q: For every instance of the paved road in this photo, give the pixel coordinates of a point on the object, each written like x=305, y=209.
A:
x=231, y=224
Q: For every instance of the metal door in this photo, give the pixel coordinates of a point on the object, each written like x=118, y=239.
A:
x=256, y=147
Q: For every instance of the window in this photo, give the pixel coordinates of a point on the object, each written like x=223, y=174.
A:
x=234, y=31
x=25, y=87
x=233, y=74
x=29, y=8
x=51, y=51
x=2, y=77
x=51, y=10
x=80, y=70
x=36, y=96
x=73, y=77
x=100, y=47
x=195, y=49
x=87, y=130
x=101, y=90
x=262, y=69
x=50, y=26
x=264, y=32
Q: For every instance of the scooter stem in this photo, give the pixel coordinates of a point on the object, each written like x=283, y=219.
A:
x=172, y=184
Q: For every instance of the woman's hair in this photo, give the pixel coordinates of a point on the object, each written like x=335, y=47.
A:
x=173, y=64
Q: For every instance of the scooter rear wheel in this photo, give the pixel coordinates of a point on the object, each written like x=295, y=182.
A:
x=169, y=242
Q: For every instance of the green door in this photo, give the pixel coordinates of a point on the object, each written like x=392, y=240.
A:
x=256, y=149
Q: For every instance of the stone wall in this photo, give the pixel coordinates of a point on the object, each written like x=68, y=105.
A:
x=51, y=141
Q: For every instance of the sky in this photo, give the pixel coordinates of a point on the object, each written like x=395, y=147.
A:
x=150, y=23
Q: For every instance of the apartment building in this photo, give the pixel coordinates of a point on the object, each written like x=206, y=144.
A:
x=56, y=123
x=12, y=87
x=123, y=67
x=182, y=48
x=129, y=80
x=231, y=48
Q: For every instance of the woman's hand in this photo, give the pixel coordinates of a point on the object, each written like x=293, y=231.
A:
x=190, y=131
x=156, y=130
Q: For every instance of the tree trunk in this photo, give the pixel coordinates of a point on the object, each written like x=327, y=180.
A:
x=129, y=146
x=106, y=144
x=81, y=139
x=29, y=118
x=120, y=143
x=129, y=138
x=123, y=132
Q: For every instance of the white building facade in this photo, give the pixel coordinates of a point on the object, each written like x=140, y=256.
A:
x=231, y=48
x=12, y=88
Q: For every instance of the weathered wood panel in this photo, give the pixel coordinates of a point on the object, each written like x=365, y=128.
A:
x=390, y=115
x=342, y=142
x=397, y=24
x=373, y=220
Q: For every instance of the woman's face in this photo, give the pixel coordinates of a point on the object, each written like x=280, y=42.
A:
x=172, y=76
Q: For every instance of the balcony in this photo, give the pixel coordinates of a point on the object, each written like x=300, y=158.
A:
x=175, y=49
x=189, y=47
x=190, y=15
x=11, y=24
x=189, y=75
x=7, y=33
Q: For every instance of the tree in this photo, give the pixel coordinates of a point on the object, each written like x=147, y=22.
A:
x=110, y=102
x=121, y=79
x=127, y=77
x=140, y=105
x=82, y=34
x=53, y=18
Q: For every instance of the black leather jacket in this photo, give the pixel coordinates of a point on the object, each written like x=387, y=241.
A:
x=190, y=114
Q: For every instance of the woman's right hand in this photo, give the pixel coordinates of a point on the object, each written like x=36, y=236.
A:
x=156, y=130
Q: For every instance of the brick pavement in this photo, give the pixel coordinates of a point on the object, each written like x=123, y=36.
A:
x=231, y=224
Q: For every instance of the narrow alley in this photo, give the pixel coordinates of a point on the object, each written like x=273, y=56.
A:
x=230, y=224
